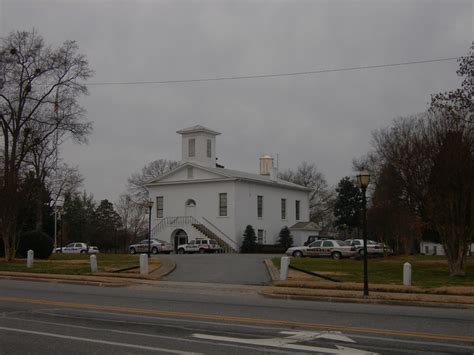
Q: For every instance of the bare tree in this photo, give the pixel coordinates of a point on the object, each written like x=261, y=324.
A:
x=321, y=197
x=35, y=80
x=133, y=215
x=137, y=182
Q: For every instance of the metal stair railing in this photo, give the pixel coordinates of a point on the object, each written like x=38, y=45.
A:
x=172, y=222
x=222, y=239
x=220, y=235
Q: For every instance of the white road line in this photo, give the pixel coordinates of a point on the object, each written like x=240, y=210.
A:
x=88, y=340
x=283, y=343
x=177, y=339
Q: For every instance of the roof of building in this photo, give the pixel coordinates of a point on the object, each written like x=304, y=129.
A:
x=238, y=175
x=307, y=226
x=196, y=129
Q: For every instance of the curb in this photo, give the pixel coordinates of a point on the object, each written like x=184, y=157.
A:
x=167, y=267
x=366, y=301
x=272, y=270
x=66, y=281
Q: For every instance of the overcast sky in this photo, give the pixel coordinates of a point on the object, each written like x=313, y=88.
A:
x=324, y=119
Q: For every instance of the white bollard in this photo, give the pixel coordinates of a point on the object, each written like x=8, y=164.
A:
x=29, y=260
x=284, y=263
x=93, y=263
x=143, y=264
x=407, y=274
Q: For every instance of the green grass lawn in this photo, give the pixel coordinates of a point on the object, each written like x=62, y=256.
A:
x=427, y=271
x=73, y=264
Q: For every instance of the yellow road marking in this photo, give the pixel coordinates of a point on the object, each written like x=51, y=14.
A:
x=156, y=312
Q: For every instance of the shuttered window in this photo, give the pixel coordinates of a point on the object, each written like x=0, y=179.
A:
x=192, y=147
x=283, y=208
x=223, y=204
x=159, y=207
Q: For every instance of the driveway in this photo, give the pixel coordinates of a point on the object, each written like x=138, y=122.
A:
x=242, y=269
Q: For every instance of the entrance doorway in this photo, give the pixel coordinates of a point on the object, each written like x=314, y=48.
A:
x=180, y=237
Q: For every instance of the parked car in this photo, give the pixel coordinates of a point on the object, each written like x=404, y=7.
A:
x=200, y=245
x=336, y=249
x=373, y=248
x=156, y=246
x=77, y=248
x=313, y=238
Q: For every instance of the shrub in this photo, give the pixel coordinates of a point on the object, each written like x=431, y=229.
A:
x=37, y=241
x=286, y=240
x=249, y=244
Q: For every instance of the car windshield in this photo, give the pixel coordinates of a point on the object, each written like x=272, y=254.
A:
x=341, y=243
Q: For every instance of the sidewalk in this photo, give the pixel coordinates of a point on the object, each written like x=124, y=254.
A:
x=450, y=297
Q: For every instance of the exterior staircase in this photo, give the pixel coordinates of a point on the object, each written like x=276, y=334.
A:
x=211, y=235
x=176, y=222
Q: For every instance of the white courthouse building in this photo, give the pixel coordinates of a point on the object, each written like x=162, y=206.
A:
x=201, y=199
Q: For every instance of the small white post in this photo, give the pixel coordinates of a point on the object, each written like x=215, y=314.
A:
x=407, y=274
x=143, y=264
x=93, y=259
x=284, y=263
x=29, y=260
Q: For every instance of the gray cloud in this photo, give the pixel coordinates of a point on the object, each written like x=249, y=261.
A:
x=325, y=119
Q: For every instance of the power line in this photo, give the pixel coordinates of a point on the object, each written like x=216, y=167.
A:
x=271, y=75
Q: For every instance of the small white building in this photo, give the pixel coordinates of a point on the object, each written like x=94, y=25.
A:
x=201, y=199
x=431, y=248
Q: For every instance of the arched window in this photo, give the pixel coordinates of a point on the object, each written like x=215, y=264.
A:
x=190, y=203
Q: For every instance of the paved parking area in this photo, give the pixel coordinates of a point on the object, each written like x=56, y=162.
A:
x=243, y=269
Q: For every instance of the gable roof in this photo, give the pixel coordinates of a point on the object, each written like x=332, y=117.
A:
x=196, y=129
x=307, y=226
x=234, y=175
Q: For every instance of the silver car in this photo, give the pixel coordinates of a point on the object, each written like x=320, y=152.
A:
x=156, y=246
x=336, y=249
x=373, y=248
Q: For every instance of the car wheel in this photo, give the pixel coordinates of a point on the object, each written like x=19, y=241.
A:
x=132, y=251
x=83, y=252
x=181, y=251
x=154, y=250
x=361, y=252
x=336, y=255
x=297, y=254
x=202, y=251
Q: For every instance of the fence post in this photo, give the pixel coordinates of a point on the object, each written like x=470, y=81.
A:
x=93, y=259
x=407, y=274
x=284, y=263
x=29, y=259
x=143, y=264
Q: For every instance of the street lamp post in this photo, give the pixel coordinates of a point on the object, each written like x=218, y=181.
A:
x=149, y=205
x=363, y=179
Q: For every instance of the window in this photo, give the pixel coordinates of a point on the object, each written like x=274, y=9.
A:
x=427, y=249
x=259, y=206
x=209, y=146
x=190, y=172
x=159, y=207
x=327, y=243
x=204, y=242
x=283, y=208
x=260, y=236
x=316, y=244
x=192, y=147
x=223, y=204
x=297, y=210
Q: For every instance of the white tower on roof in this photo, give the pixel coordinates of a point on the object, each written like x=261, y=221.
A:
x=198, y=145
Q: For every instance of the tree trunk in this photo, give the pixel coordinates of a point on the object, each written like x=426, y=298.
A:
x=9, y=233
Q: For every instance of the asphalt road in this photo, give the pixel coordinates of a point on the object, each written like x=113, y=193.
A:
x=240, y=269
x=169, y=317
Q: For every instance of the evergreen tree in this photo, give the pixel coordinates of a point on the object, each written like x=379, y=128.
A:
x=285, y=238
x=348, y=205
x=249, y=244
x=107, y=224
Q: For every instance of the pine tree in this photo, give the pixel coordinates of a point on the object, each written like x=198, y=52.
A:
x=249, y=243
x=285, y=238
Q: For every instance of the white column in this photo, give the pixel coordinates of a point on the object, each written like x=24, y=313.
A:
x=29, y=260
x=93, y=259
x=143, y=264
x=407, y=274
x=284, y=263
